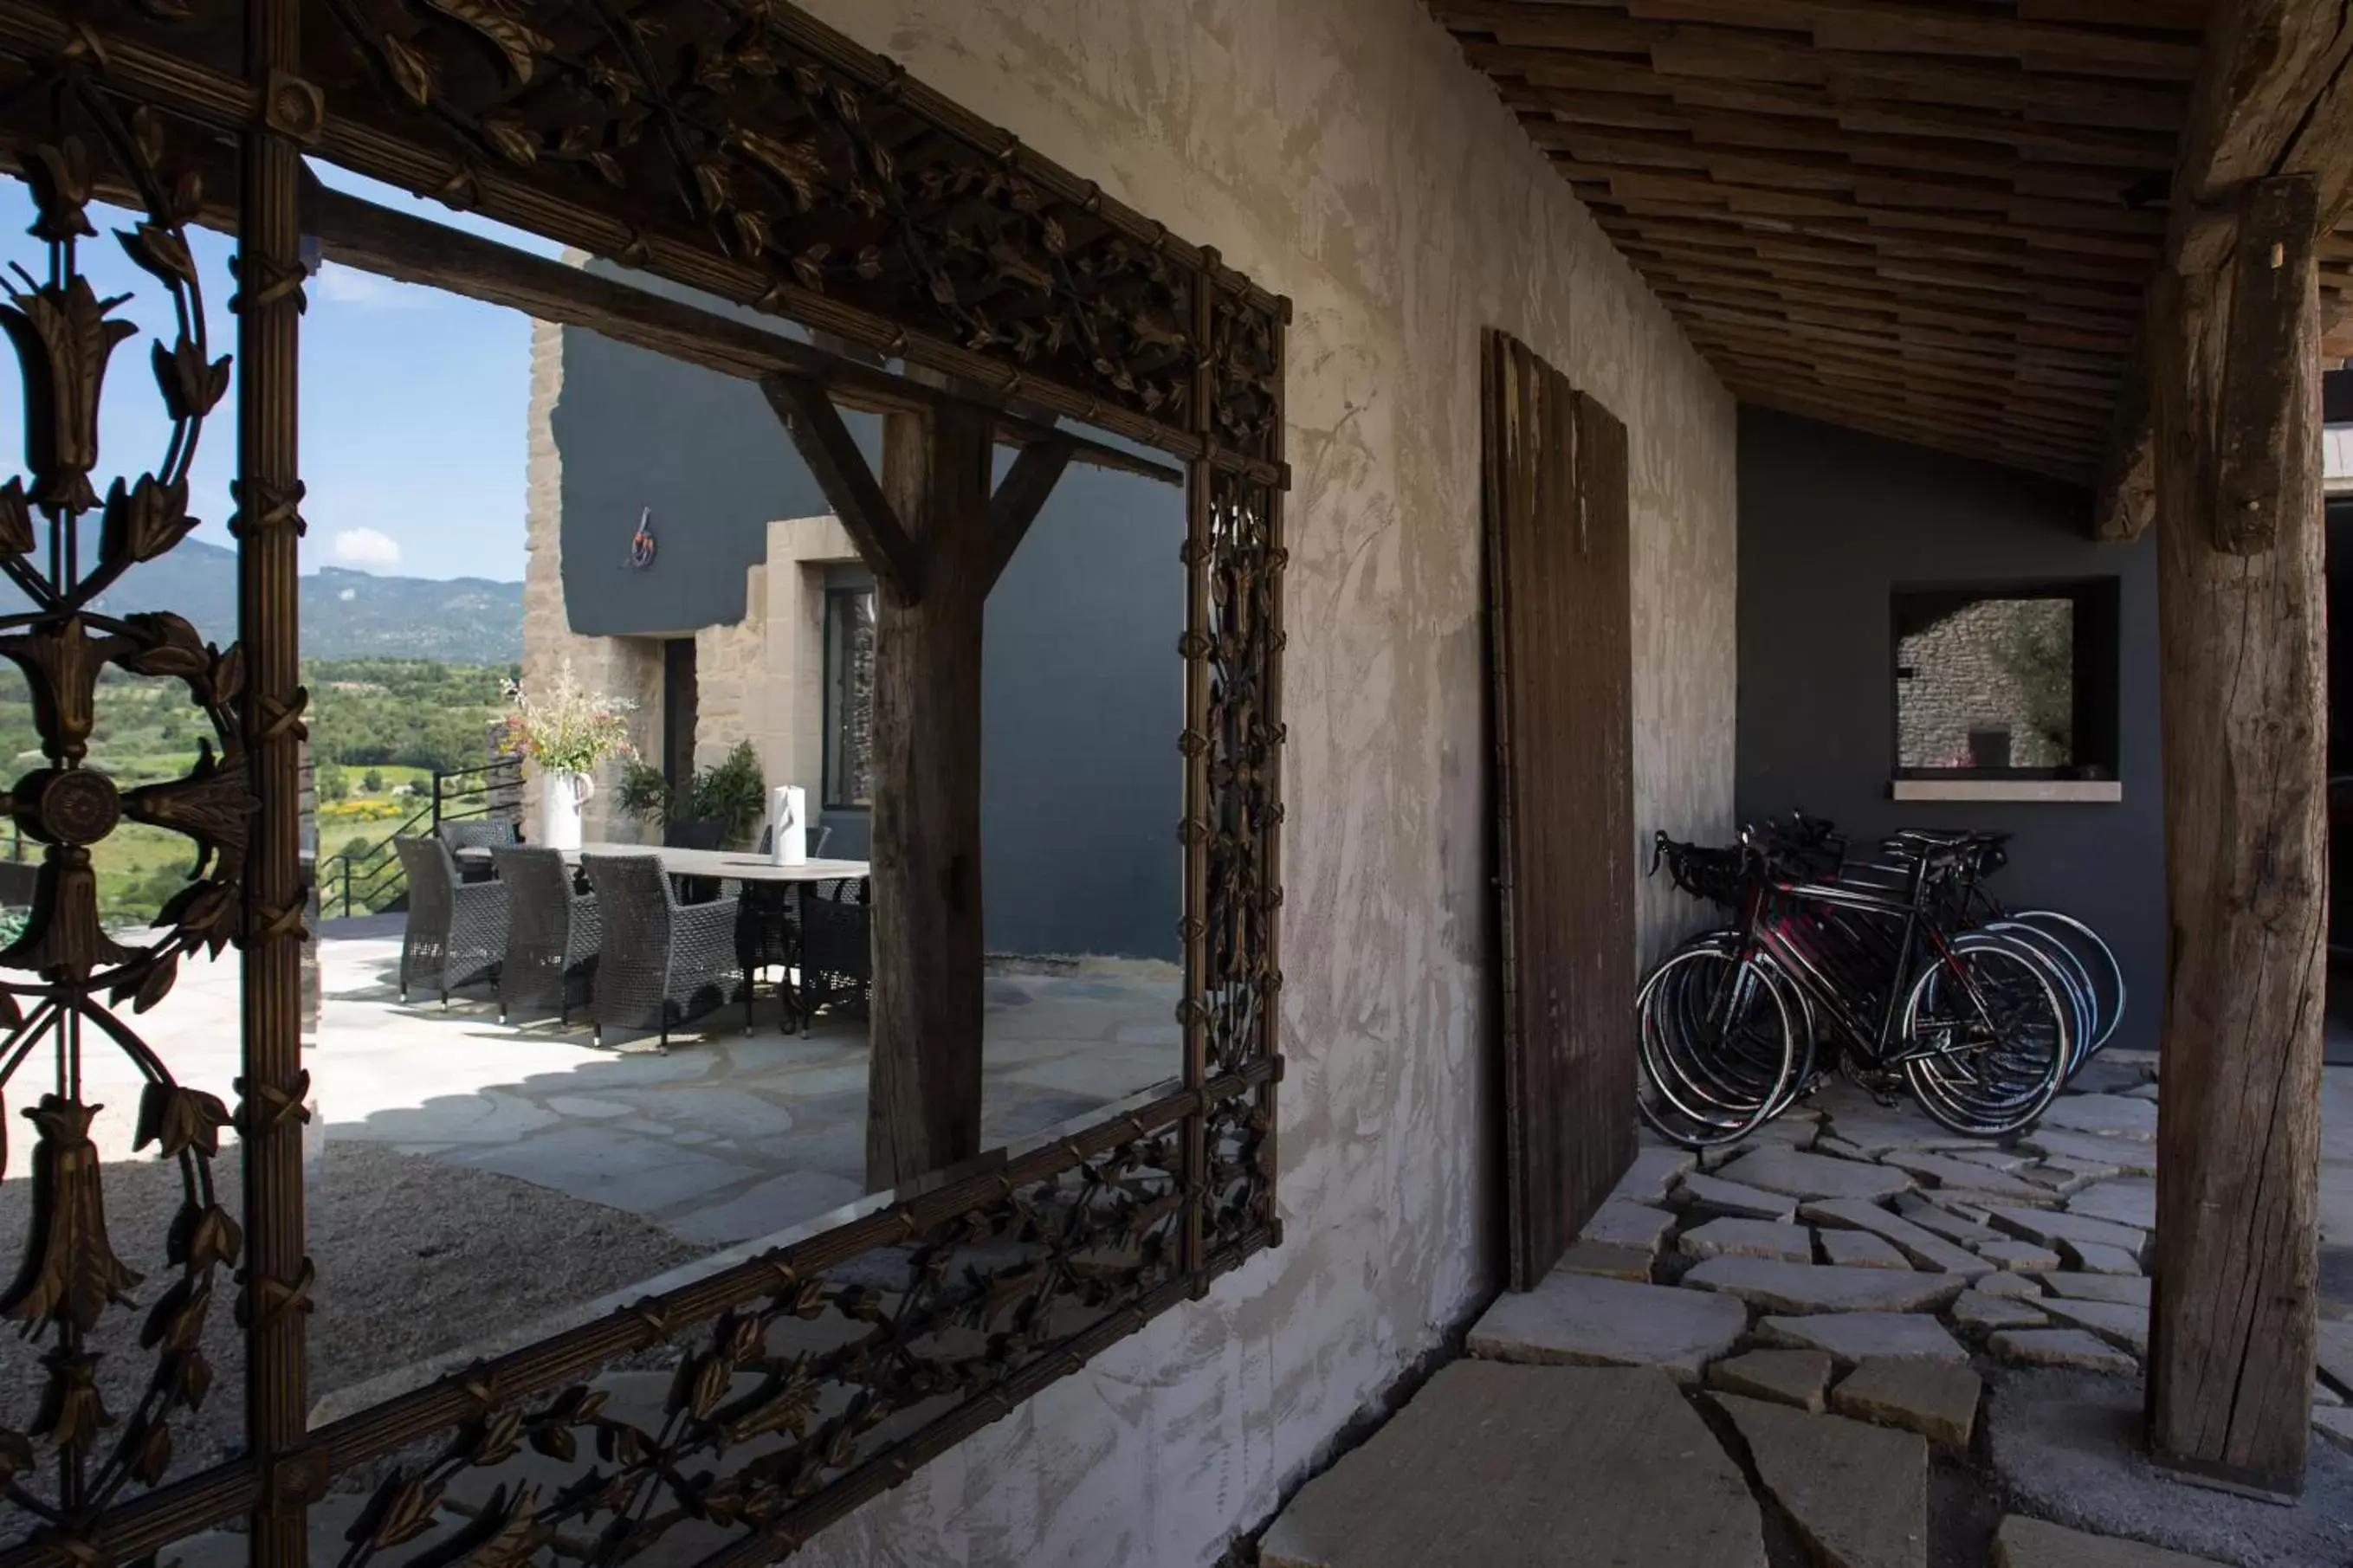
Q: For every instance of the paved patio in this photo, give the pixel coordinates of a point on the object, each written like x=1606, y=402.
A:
x=726, y=1139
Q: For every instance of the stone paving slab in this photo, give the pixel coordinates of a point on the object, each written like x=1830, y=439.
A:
x=1984, y=1313
x=1943, y=1171
x=2336, y=1352
x=1858, y=1495
x=1631, y=1225
x=1852, y=1338
x=1800, y=1378
x=1778, y=1287
x=2024, y=1286
x=2103, y=1115
x=1609, y=1262
x=1519, y=1466
x=1747, y=1238
x=2121, y=1154
x=2023, y=1542
x=1923, y=1246
x=1652, y=1175
x=2333, y=1422
x=1937, y=1399
x=1998, y=1159
x=2049, y=1227
x=2091, y=1258
x=1938, y=1220
x=1716, y=1195
x=1876, y=1131
x=2123, y=1324
x=2018, y=1257
x=1803, y=1175
x=2072, y=1348
x=2131, y=1202
x=2083, y=1170
x=2131, y=1289
x=1861, y=1249
x=1581, y=1320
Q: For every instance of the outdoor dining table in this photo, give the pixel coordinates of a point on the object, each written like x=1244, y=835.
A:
x=721, y=864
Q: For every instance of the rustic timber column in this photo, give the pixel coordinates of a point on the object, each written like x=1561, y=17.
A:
x=2237, y=392
x=937, y=538
x=923, y=1109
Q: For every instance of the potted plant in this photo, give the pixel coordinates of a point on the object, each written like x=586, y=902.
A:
x=731, y=795
x=567, y=730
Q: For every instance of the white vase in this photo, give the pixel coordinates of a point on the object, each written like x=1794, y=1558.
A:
x=561, y=797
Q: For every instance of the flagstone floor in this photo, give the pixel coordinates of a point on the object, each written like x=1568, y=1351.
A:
x=1891, y=1335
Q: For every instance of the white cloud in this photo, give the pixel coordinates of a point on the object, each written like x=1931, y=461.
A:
x=349, y=286
x=366, y=547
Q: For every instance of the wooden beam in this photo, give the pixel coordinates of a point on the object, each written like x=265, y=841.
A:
x=850, y=489
x=359, y=234
x=1015, y=506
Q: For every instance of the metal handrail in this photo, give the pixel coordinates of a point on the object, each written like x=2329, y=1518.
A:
x=373, y=881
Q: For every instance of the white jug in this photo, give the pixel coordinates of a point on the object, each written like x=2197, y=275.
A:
x=787, y=825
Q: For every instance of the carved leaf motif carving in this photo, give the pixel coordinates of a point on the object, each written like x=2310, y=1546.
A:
x=191, y=388
x=409, y=69
x=64, y=937
x=213, y=804
x=521, y=44
x=145, y=521
x=72, y=1412
x=63, y=337
x=178, y=1119
x=15, y=519
x=69, y=1273
x=59, y=176
x=798, y=164
x=203, y=1236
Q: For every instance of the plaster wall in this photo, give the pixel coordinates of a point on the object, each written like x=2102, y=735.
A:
x=1341, y=153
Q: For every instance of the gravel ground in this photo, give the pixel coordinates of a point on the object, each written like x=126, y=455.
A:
x=415, y=1256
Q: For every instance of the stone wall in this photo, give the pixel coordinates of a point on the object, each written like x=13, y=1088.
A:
x=1341, y=152
x=628, y=667
x=1990, y=666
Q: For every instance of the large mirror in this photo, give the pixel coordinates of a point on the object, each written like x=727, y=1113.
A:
x=672, y=908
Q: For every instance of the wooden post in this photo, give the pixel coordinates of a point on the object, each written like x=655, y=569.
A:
x=922, y=1111
x=2237, y=392
x=937, y=538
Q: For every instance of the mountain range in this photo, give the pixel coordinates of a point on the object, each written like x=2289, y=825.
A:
x=345, y=614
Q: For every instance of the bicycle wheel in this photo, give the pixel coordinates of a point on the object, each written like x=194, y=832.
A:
x=1986, y=1034
x=1718, y=1046
x=2098, y=962
x=2083, y=997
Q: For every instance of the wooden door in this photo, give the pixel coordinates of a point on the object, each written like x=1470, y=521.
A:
x=1561, y=653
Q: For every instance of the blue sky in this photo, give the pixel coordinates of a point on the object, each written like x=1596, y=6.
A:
x=413, y=402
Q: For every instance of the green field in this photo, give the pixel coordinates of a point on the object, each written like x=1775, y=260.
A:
x=379, y=729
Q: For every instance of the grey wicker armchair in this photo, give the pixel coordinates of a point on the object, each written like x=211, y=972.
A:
x=663, y=963
x=838, y=946
x=457, y=931
x=553, y=933
x=478, y=833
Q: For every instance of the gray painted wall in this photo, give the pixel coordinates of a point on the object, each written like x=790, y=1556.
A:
x=705, y=451
x=1831, y=522
x=1082, y=685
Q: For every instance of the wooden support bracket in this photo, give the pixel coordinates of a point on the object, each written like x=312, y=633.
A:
x=1016, y=504
x=849, y=483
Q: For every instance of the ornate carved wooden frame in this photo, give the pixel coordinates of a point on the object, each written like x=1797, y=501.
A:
x=737, y=147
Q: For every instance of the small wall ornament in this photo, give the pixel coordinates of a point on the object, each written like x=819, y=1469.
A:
x=642, y=543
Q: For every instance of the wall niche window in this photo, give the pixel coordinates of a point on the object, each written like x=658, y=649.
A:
x=2014, y=682
x=848, y=694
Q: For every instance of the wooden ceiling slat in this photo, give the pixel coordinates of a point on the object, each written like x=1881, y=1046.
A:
x=1933, y=218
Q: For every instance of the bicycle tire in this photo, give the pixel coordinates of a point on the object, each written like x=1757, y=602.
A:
x=1733, y=1104
x=2042, y=1064
x=2073, y=930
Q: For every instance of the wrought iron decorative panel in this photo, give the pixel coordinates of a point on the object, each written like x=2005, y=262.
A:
x=736, y=147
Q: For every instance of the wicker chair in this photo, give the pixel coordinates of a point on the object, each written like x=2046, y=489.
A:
x=838, y=946
x=710, y=836
x=478, y=833
x=457, y=933
x=664, y=962
x=768, y=929
x=553, y=933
